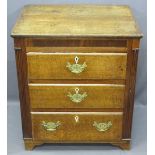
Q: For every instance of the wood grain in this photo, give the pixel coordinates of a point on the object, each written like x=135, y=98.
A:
x=30, y=143
x=76, y=20
x=124, y=146
x=21, y=63
x=55, y=96
x=75, y=42
x=78, y=49
x=99, y=66
x=107, y=38
x=70, y=130
x=78, y=81
x=130, y=87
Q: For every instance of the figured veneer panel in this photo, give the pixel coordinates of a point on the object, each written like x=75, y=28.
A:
x=99, y=65
x=77, y=126
x=56, y=96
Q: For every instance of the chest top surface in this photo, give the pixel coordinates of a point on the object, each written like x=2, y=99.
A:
x=76, y=20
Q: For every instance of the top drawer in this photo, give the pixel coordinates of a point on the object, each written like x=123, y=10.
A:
x=74, y=42
x=76, y=65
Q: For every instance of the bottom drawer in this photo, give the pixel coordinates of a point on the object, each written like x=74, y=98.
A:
x=77, y=126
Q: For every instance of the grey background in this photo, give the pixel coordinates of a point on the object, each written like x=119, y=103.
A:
x=139, y=10
x=15, y=142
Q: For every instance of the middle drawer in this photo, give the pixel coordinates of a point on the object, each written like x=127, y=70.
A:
x=76, y=95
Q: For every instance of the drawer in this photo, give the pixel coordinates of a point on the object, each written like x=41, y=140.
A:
x=76, y=95
x=73, y=126
x=76, y=65
x=68, y=42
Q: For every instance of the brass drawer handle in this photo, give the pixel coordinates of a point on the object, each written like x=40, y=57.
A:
x=50, y=126
x=102, y=127
x=76, y=68
x=77, y=98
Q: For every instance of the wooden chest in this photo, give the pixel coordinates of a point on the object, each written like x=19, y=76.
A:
x=76, y=67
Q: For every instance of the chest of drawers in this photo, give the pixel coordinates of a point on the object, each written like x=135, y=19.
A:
x=76, y=67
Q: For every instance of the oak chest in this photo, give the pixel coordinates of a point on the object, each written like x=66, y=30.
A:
x=76, y=67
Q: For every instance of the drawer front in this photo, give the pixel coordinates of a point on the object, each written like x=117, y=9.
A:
x=50, y=42
x=76, y=65
x=76, y=95
x=73, y=126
